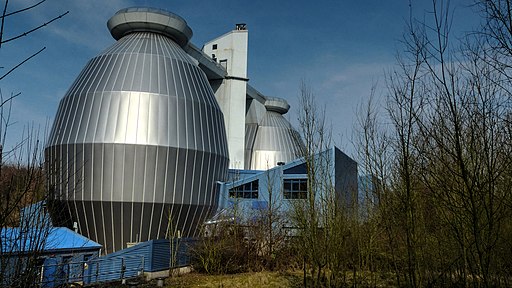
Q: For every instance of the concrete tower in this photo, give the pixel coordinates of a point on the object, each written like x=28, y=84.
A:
x=230, y=51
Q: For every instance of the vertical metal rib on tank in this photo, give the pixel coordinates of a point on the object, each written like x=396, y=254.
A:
x=138, y=139
x=273, y=140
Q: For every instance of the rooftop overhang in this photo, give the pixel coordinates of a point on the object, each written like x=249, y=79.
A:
x=214, y=71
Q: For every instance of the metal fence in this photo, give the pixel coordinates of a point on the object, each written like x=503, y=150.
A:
x=89, y=269
x=93, y=271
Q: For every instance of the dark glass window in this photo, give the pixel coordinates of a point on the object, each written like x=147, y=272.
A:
x=247, y=190
x=214, y=47
x=295, y=188
x=299, y=169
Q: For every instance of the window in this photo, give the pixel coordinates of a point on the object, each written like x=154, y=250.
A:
x=299, y=169
x=295, y=188
x=224, y=63
x=246, y=191
x=214, y=47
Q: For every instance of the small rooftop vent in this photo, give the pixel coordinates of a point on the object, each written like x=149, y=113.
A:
x=241, y=26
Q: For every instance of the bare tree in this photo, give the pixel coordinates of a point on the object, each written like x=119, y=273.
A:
x=24, y=224
x=22, y=181
x=324, y=217
x=449, y=109
x=376, y=233
x=268, y=223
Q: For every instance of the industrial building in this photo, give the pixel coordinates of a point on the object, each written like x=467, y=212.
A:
x=53, y=256
x=250, y=193
x=143, y=139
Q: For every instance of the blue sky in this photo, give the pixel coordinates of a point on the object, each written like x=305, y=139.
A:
x=340, y=48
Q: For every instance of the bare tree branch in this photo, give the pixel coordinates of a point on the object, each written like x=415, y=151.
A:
x=34, y=29
x=21, y=10
x=3, y=22
x=21, y=63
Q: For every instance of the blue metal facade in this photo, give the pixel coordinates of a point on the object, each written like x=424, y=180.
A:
x=149, y=256
x=62, y=252
x=340, y=168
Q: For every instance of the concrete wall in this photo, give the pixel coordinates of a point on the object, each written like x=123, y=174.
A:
x=230, y=50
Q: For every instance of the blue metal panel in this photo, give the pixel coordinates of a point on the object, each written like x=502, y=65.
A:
x=332, y=161
x=59, y=239
x=150, y=256
x=51, y=273
x=82, y=266
x=260, y=205
x=161, y=253
x=125, y=265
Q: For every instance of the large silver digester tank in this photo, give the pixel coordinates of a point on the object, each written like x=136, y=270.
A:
x=138, y=138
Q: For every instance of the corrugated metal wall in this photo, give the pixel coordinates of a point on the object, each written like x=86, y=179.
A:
x=126, y=263
x=161, y=256
x=150, y=256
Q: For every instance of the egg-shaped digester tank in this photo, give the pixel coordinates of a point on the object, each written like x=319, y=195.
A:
x=272, y=140
x=138, y=141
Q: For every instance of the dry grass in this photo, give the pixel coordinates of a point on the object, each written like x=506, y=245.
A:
x=251, y=280
x=269, y=279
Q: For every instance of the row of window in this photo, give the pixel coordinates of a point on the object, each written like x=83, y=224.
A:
x=246, y=191
x=295, y=188
x=292, y=189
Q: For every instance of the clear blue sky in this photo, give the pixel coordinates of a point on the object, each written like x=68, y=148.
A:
x=340, y=48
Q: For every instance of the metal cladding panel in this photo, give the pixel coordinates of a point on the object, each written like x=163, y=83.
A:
x=139, y=127
x=274, y=140
x=250, y=135
x=145, y=223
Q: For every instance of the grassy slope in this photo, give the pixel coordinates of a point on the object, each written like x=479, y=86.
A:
x=257, y=279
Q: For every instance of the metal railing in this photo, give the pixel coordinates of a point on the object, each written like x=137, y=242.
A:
x=93, y=271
